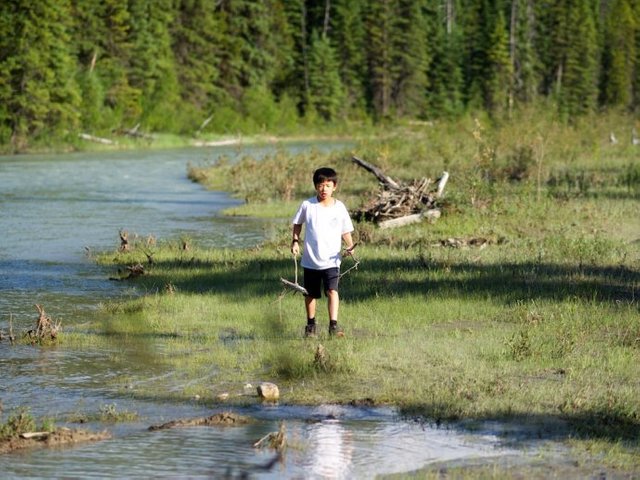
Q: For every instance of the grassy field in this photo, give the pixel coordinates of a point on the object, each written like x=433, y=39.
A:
x=520, y=303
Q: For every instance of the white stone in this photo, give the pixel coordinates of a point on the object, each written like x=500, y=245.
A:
x=268, y=391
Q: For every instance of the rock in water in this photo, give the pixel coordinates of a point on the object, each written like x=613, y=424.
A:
x=268, y=391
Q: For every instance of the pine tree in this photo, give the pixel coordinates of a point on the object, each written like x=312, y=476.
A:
x=249, y=45
x=296, y=82
x=578, y=85
x=113, y=59
x=347, y=36
x=380, y=20
x=196, y=41
x=282, y=44
x=635, y=101
x=619, y=55
x=88, y=34
x=445, y=74
x=550, y=43
x=525, y=62
x=152, y=67
x=325, y=87
x=39, y=94
x=410, y=59
x=499, y=82
x=477, y=27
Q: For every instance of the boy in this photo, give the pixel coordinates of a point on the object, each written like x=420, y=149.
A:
x=328, y=224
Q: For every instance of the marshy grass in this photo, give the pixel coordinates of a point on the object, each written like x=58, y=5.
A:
x=536, y=320
x=21, y=421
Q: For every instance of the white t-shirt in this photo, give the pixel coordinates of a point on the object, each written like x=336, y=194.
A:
x=323, y=235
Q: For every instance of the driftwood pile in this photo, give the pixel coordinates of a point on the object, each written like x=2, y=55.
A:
x=401, y=203
x=46, y=329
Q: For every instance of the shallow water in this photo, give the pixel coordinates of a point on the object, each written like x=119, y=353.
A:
x=55, y=211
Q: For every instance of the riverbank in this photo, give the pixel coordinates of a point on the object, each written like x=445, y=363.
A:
x=88, y=142
x=518, y=305
x=451, y=336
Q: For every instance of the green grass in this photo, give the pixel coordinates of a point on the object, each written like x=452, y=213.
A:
x=21, y=421
x=538, y=323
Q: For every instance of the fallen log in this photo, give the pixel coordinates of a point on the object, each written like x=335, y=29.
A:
x=224, y=418
x=384, y=179
x=55, y=439
x=93, y=138
x=431, y=215
x=29, y=435
x=135, y=132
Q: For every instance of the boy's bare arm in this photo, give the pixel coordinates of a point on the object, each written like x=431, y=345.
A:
x=295, y=240
x=348, y=241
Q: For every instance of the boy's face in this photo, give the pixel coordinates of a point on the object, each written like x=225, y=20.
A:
x=325, y=189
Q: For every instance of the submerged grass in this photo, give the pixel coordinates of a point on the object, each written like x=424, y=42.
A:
x=536, y=320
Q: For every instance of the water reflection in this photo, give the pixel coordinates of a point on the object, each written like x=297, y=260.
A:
x=332, y=450
x=362, y=443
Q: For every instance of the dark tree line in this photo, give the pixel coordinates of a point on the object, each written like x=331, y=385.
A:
x=186, y=66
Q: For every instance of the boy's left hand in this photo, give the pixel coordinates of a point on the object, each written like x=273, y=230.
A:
x=349, y=251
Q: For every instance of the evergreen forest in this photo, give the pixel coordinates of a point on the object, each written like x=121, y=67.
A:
x=228, y=66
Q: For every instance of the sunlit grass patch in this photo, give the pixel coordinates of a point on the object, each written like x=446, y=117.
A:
x=520, y=302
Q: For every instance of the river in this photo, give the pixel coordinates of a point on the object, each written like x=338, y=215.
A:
x=55, y=210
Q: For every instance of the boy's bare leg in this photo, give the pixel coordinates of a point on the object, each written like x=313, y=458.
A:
x=310, y=305
x=334, y=303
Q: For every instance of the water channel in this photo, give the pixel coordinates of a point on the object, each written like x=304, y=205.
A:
x=57, y=209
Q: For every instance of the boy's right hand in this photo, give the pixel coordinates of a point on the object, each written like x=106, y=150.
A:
x=295, y=248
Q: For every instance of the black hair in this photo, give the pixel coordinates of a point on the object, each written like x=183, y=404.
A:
x=325, y=174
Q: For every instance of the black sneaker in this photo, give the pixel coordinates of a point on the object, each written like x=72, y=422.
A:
x=310, y=330
x=335, y=331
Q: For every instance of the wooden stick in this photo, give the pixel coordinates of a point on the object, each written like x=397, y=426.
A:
x=442, y=183
x=384, y=179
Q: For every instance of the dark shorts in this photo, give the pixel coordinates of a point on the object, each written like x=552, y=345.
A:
x=314, y=280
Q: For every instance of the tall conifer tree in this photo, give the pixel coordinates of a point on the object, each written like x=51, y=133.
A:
x=347, y=36
x=525, y=62
x=445, y=73
x=249, y=45
x=635, y=102
x=152, y=68
x=114, y=52
x=619, y=55
x=478, y=26
x=89, y=37
x=499, y=83
x=39, y=94
x=411, y=55
x=327, y=94
x=578, y=88
x=196, y=37
x=380, y=22
x=297, y=80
